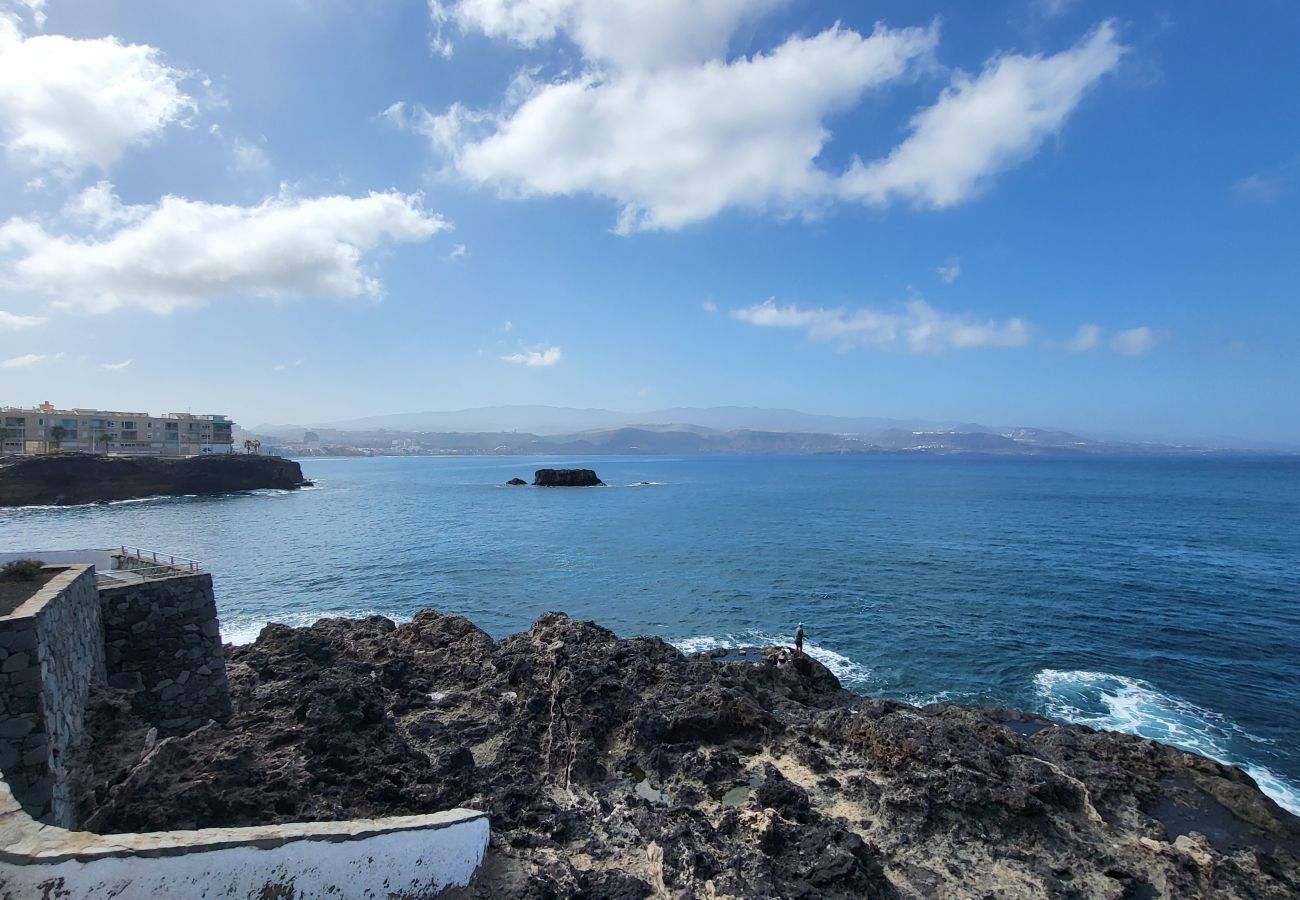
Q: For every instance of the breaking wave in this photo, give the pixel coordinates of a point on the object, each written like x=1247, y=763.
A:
x=1119, y=703
x=850, y=673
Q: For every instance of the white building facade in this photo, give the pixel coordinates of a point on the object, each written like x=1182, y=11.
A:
x=45, y=429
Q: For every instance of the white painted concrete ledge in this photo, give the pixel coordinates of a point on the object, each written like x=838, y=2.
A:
x=394, y=857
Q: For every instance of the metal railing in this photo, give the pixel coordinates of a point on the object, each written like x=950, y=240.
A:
x=146, y=565
x=176, y=562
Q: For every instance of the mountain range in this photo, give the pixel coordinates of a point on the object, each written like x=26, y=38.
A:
x=724, y=429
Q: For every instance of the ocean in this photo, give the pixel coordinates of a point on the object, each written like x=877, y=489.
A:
x=1157, y=596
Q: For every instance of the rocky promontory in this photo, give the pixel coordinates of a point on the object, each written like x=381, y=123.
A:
x=566, y=478
x=65, y=479
x=622, y=768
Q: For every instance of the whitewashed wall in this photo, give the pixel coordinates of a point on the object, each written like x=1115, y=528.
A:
x=400, y=856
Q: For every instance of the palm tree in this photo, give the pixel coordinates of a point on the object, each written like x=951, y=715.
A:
x=248, y=445
x=57, y=434
x=257, y=445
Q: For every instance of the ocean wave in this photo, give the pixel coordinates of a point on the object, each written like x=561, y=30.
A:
x=1118, y=703
x=240, y=630
x=845, y=669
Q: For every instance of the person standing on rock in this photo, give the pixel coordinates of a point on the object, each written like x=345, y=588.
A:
x=798, y=639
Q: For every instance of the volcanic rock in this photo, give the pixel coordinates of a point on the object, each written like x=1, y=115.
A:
x=622, y=768
x=566, y=478
x=516, y=481
x=70, y=478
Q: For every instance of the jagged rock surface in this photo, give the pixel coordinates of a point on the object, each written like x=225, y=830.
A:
x=62, y=479
x=621, y=768
x=566, y=478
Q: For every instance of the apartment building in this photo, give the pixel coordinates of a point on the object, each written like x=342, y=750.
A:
x=45, y=429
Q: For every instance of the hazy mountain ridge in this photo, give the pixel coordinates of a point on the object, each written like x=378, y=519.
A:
x=720, y=429
x=694, y=439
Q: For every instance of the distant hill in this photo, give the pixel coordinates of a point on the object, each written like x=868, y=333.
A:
x=556, y=420
x=716, y=429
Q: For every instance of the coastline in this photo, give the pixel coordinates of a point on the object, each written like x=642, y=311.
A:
x=759, y=777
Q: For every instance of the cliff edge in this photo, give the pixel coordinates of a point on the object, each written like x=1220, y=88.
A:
x=65, y=479
x=622, y=768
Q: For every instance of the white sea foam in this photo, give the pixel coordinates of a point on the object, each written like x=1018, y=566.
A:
x=845, y=669
x=1119, y=703
x=245, y=629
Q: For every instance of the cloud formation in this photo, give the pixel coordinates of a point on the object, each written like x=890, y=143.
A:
x=26, y=361
x=180, y=252
x=982, y=126
x=1086, y=338
x=68, y=105
x=916, y=327
x=117, y=366
x=1133, y=341
x=14, y=322
x=542, y=356
x=661, y=122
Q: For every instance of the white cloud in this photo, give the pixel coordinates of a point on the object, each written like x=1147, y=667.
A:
x=1133, y=341
x=99, y=208
x=27, y=361
x=622, y=33
x=658, y=121
x=984, y=125
x=36, y=9
x=457, y=252
x=181, y=252
x=69, y=104
x=117, y=366
x=710, y=306
x=14, y=322
x=1085, y=339
x=949, y=273
x=1262, y=188
x=916, y=327
x=548, y=356
x=248, y=158
x=661, y=122
x=1051, y=9
x=508, y=326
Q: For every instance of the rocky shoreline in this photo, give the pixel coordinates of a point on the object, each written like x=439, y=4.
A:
x=622, y=768
x=68, y=479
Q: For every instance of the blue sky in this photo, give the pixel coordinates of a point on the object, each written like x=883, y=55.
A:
x=1044, y=212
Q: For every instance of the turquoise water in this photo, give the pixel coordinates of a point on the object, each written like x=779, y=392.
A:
x=1157, y=596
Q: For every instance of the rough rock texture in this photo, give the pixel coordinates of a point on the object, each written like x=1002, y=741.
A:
x=516, y=481
x=70, y=478
x=566, y=478
x=621, y=768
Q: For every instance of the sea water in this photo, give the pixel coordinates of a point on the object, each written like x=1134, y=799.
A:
x=1159, y=596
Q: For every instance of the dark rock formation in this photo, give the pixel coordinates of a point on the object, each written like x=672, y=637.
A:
x=70, y=478
x=566, y=478
x=516, y=481
x=621, y=768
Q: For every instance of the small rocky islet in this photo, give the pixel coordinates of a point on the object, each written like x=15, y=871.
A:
x=622, y=768
x=562, y=478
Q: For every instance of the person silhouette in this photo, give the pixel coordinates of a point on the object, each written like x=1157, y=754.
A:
x=798, y=639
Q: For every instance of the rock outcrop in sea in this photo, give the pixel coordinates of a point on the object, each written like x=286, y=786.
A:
x=622, y=768
x=64, y=479
x=566, y=478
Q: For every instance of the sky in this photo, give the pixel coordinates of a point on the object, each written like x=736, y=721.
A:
x=1059, y=213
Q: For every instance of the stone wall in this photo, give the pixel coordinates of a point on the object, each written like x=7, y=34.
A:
x=51, y=652
x=162, y=640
